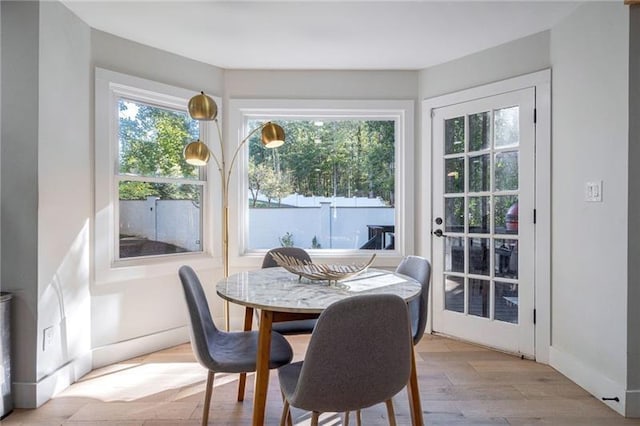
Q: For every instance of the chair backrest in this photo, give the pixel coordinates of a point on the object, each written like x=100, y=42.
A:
x=202, y=329
x=419, y=269
x=359, y=355
x=295, y=252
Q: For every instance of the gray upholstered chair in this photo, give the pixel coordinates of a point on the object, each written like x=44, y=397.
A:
x=295, y=252
x=419, y=269
x=286, y=328
x=219, y=351
x=359, y=355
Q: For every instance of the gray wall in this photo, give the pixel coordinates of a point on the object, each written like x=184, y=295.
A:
x=518, y=57
x=20, y=45
x=633, y=291
x=321, y=84
x=117, y=54
x=589, y=55
x=46, y=194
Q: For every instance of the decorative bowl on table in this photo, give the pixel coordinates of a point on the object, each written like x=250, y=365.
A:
x=318, y=271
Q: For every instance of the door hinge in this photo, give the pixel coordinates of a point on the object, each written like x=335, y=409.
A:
x=433, y=112
x=534, y=316
x=534, y=216
x=535, y=116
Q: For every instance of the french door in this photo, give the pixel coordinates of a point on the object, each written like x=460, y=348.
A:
x=483, y=221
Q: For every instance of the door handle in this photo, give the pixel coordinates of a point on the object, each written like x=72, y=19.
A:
x=438, y=232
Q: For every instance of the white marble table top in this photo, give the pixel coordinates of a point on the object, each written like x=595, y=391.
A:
x=276, y=289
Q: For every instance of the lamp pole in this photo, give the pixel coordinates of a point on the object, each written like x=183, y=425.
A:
x=203, y=107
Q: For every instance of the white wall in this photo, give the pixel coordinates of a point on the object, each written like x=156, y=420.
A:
x=64, y=199
x=144, y=305
x=633, y=292
x=589, y=55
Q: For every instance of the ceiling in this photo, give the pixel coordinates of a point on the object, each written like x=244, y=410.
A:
x=313, y=35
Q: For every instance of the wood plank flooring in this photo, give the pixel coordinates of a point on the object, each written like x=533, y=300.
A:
x=460, y=384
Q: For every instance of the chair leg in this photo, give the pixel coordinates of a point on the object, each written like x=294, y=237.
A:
x=248, y=319
x=390, y=412
x=286, y=415
x=241, y=384
x=207, y=398
x=314, y=418
x=358, y=418
x=345, y=419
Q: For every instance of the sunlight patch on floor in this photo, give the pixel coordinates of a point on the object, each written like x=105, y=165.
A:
x=132, y=382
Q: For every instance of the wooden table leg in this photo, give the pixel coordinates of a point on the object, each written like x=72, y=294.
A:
x=262, y=367
x=414, y=394
x=248, y=321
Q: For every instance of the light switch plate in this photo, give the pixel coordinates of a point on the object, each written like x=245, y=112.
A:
x=48, y=337
x=593, y=191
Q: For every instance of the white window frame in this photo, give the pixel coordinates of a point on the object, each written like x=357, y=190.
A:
x=110, y=86
x=401, y=111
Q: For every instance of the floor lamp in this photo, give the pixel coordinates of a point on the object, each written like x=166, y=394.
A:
x=204, y=108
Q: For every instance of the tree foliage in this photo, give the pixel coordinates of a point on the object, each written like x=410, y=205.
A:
x=152, y=140
x=340, y=158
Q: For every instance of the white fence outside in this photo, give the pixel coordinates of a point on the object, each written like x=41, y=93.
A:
x=333, y=227
x=178, y=222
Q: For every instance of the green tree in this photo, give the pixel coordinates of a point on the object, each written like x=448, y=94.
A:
x=259, y=174
x=152, y=140
x=342, y=158
x=276, y=186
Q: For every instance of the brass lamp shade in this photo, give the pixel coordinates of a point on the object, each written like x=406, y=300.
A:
x=196, y=153
x=272, y=135
x=203, y=107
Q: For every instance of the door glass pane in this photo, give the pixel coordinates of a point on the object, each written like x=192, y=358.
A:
x=506, y=302
x=506, y=167
x=479, y=173
x=454, y=214
x=479, y=126
x=479, y=215
x=479, y=260
x=506, y=127
x=506, y=258
x=454, y=254
x=454, y=135
x=454, y=293
x=479, y=298
x=506, y=214
x=454, y=179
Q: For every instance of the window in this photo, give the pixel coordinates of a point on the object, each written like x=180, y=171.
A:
x=160, y=195
x=337, y=184
x=151, y=205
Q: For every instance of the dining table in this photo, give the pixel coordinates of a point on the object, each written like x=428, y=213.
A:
x=280, y=295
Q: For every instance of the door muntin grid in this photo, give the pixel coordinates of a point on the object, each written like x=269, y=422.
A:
x=481, y=190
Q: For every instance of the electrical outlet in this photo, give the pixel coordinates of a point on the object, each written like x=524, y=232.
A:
x=47, y=339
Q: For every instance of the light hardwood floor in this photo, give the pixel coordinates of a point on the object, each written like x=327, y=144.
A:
x=460, y=384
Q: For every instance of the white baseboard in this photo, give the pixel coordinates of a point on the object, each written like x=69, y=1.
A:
x=633, y=404
x=132, y=348
x=589, y=378
x=33, y=395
